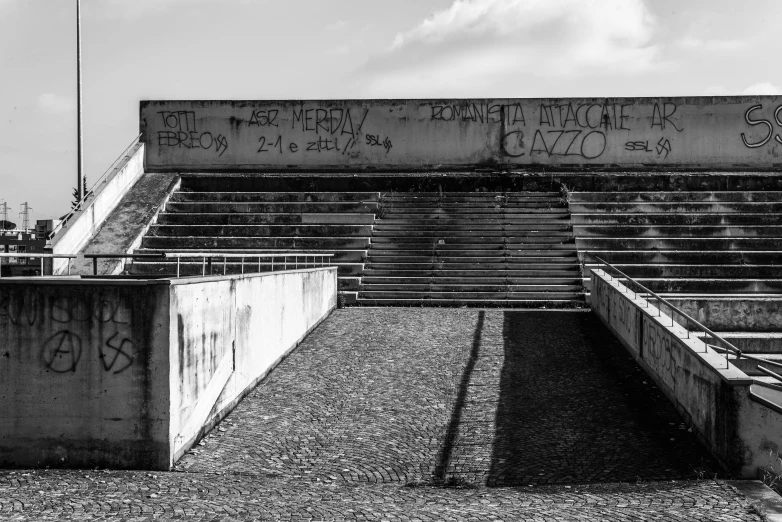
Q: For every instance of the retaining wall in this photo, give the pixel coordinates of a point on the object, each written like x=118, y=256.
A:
x=129, y=374
x=738, y=423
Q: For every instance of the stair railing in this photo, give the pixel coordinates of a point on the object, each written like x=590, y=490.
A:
x=95, y=190
x=319, y=259
x=727, y=348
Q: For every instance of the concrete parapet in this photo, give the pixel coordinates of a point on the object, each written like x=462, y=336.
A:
x=737, y=420
x=131, y=373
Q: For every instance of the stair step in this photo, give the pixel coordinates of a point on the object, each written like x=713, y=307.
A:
x=261, y=230
x=537, y=296
x=178, y=218
x=270, y=207
x=658, y=196
x=307, y=197
x=288, y=243
x=577, y=302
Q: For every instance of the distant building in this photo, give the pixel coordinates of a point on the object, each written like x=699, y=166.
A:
x=24, y=242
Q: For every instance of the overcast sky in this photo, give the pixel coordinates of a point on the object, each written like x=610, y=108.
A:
x=309, y=49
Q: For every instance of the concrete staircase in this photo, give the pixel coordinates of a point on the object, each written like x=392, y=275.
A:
x=262, y=222
x=684, y=242
x=715, y=255
x=472, y=249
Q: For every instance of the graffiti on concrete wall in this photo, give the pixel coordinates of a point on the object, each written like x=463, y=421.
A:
x=72, y=327
x=659, y=352
x=617, y=310
x=621, y=131
x=752, y=121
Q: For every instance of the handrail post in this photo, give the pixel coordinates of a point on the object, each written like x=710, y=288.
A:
x=94, y=266
x=259, y=264
x=242, y=265
x=272, y=256
x=177, y=265
x=203, y=266
x=224, y=264
x=69, y=266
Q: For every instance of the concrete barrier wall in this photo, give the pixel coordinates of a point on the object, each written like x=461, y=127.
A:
x=261, y=318
x=129, y=374
x=84, y=224
x=741, y=132
x=716, y=399
x=83, y=378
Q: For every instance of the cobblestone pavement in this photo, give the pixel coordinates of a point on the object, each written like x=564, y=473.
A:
x=429, y=414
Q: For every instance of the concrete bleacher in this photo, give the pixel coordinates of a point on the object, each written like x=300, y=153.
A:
x=472, y=248
x=253, y=223
x=716, y=255
x=684, y=242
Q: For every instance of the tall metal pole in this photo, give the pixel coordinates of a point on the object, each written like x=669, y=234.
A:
x=79, y=151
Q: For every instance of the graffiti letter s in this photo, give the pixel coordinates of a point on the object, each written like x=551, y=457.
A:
x=756, y=122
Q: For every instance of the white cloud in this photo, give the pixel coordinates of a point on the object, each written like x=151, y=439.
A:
x=762, y=88
x=55, y=103
x=757, y=89
x=482, y=41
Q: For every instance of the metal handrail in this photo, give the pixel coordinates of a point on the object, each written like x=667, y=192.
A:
x=80, y=205
x=207, y=257
x=42, y=256
x=728, y=348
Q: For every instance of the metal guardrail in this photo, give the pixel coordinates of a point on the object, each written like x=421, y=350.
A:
x=205, y=257
x=42, y=257
x=727, y=348
x=82, y=204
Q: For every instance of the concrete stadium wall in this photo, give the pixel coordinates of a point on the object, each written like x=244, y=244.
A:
x=86, y=223
x=130, y=374
x=741, y=132
x=716, y=399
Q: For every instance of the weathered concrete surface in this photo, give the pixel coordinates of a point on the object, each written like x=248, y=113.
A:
x=128, y=374
x=714, y=396
x=733, y=313
x=705, y=132
x=85, y=223
x=122, y=230
x=83, y=378
x=228, y=332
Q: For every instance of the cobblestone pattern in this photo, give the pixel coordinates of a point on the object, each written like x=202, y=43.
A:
x=370, y=396
x=140, y=497
x=380, y=408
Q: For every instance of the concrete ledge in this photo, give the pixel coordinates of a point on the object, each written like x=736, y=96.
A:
x=715, y=398
x=766, y=501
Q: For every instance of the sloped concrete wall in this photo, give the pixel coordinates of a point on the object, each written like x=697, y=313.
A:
x=229, y=332
x=129, y=374
x=86, y=223
x=715, y=398
x=741, y=132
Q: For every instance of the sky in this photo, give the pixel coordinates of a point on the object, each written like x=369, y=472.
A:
x=134, y=50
